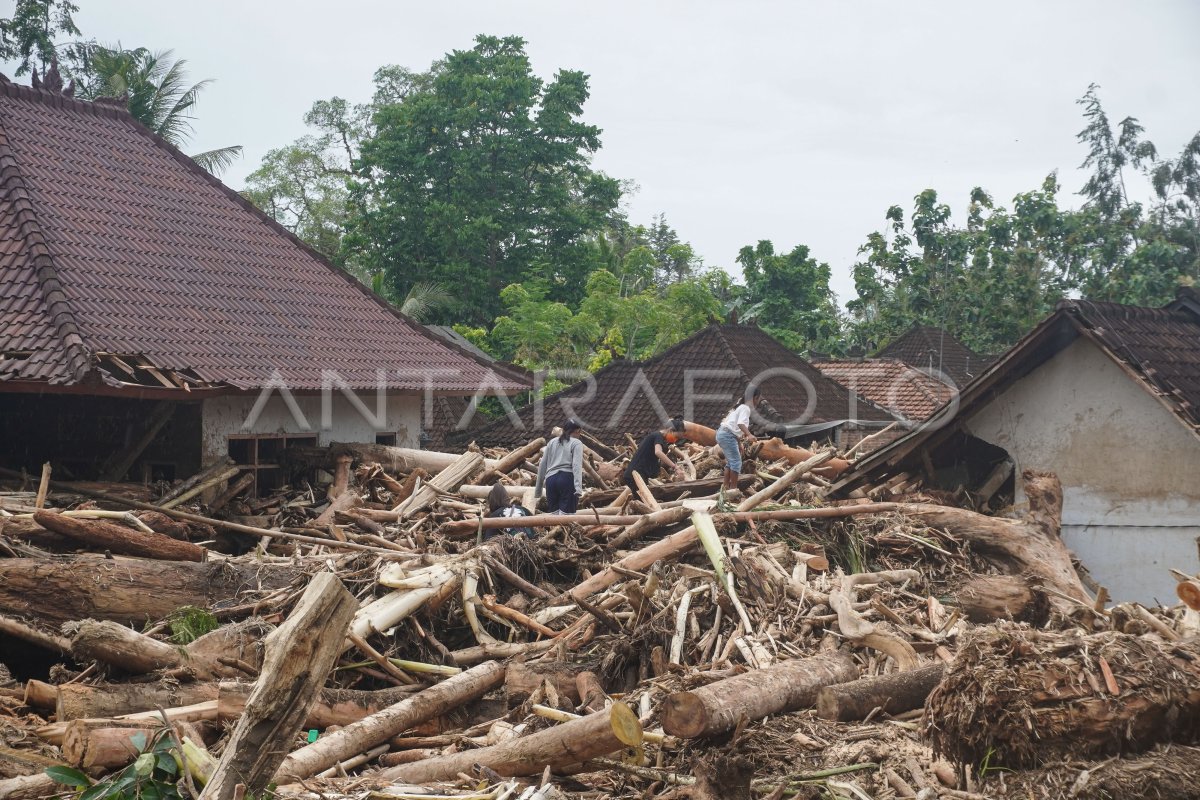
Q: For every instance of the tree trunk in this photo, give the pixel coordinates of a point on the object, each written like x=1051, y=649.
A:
x=123, y=648
x=511, y=461
x=39, y=694
x=402, y=459
x=29, y=787
x=560, y=746
x=769, y=450
x=300, y=653
x=891, y=693
x=1030, y=545
x=449, y=479
x=120, y=539
x=129, y=591
x=987, y=598
x=332, y=707
x=1024, y=697
x=376, y=729
x=14, y=763
x=591, y=694
x=54, y=732
x=94, y=749
x=784, y=686
x=81, y=701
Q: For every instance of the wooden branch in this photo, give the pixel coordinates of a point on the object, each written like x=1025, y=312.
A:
x=560, y=746
x=790, y=477
x=892, y=693
x=300, y=654
x=118, y=538
x=511, y=461
x=784, y=686
x=376, y=729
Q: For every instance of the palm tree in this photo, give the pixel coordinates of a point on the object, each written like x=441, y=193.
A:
x=157, y=92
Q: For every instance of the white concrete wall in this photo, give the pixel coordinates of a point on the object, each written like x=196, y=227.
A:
x=225, y=416
x=1130, y=470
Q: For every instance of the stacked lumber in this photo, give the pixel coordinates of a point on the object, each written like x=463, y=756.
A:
x=377, y=631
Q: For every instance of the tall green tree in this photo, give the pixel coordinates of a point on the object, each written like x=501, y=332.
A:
x=157, y=90
x=27, y=37
x=789, y=295
x=482, y=178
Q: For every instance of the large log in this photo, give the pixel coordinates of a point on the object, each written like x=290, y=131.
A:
x=1023, y=697
x=891, y=693
x=401, y=459
x=214, y=655
x=1029, y=545
x=987, y=598
x=122, y=647
x=511, y=461
x=332, y=707
x=80, y=700
x=446, y=481
x=29, y=787
x=101, y=535
x=784, y=686
x=14, y=763
x=769, y=450
x=561, y=746
x=93, y=747
x=129, y=591
x=299, y=655
x=379, y=727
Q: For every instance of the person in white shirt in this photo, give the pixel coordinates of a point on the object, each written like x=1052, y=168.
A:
x=732, y=431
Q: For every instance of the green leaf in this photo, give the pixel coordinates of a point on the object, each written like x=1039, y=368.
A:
x=69, y=777
x=138, y=740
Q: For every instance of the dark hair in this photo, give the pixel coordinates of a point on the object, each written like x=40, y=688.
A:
x=676, y=424
x=569, y=427
x=497, y=497
x=754, y=390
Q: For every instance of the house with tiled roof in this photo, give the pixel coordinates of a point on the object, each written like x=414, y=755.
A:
x=1105, y=396
x=153, y=321
x=936, y=351
x=909, y=393
x=698, y=378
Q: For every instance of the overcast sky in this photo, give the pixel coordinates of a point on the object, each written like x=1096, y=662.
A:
x=799, y=122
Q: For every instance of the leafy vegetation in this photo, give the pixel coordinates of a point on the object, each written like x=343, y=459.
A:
x=189, y=623
x=154, y=775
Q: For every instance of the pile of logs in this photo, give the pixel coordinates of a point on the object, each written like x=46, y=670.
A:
x=373, y=628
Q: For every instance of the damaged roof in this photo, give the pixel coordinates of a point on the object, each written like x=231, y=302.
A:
x=929, y=348
x=124, y=263
x=1159, y=348
x=890, y=383
x=719, y=361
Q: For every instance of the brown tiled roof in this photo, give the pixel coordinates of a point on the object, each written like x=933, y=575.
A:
x=113, y=242
x=443, y=433
x=898, y=387
x=637, y=397
x=1160, y=345
x=928, y=348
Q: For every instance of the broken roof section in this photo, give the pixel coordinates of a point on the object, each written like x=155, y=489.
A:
x=123, y=263
x=900, y=388
x=697, y=378
x=1159, y=348
x=936, y=350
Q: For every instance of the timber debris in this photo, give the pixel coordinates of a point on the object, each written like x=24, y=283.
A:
x=376, y=629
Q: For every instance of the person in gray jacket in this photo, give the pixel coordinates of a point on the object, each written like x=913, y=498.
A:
x=561, y=470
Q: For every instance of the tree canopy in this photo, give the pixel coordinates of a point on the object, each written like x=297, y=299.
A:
x=480, y=177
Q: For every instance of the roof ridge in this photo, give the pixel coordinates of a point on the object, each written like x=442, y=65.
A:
x=36, y=251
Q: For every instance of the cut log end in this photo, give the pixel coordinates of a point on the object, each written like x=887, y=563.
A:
x=625, y=725
x=684, y=714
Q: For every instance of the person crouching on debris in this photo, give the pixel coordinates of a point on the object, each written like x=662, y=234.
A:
x=652, y=452
x=561, y=470
x=733, y=430
x=501, y=505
